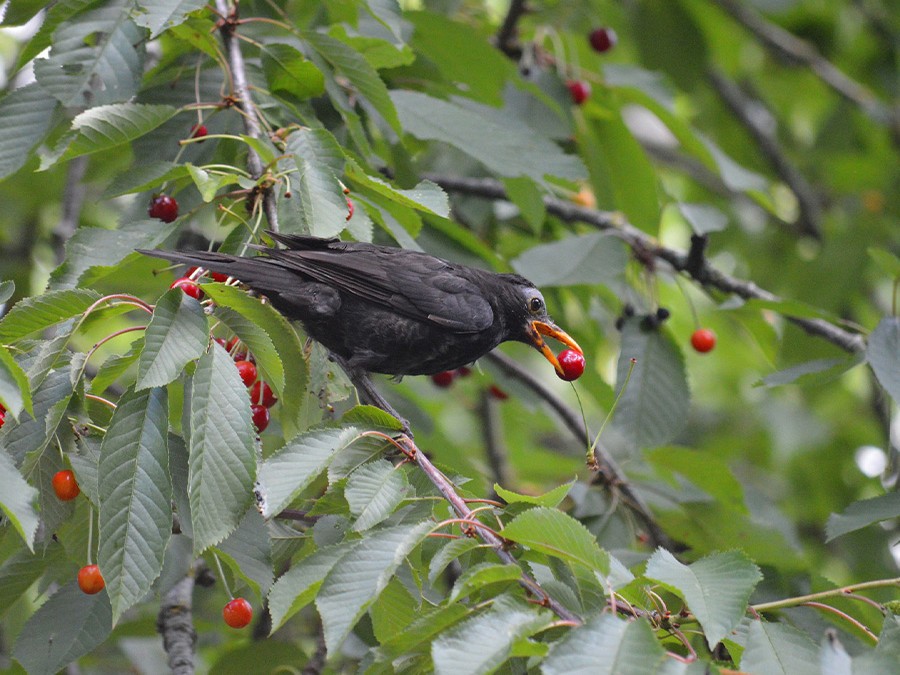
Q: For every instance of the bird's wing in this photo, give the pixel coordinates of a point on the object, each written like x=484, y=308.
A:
x=415, y=285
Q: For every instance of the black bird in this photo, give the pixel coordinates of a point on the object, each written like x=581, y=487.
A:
x=388, y=310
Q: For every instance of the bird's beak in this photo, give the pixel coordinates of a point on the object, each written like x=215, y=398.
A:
x=539, y=328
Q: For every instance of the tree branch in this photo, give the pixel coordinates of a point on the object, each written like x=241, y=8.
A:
x=508, y=33
x=252, y=126
x=492, y=432
x=175, y=623
x=648, y=246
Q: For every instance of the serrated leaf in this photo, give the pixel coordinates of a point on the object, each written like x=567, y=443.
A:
x=115, y=366
x=284, y=475
x=526, y=195
x=373, y=491
x=707, y=471
x=393, y=611
x=556, y=534
x=18, y=501
x=85, y=463
x=794, y=373
x=606, y=645
x=716, y=588
x=349, y=63
x=425, y=196
x=550, y=499
x=21, y=12
x=69, y=625
x=481, y=644
x=596, y=258
x=288, y=72
x=478, y=576
x=370, y=416
x=654, y=407
x=360, y=575
x=38, y=313
x=27, y=114
x=107, y=126
x=862, y=514
x=160, y=15
x=779, y=649
x=222, y=452
x=135, y=497
x=177, y=334
x=510, y=149
x=15, y=393
x=93, y=47
x=451, y=551
x=297, y=587
x=249, y=548
x=883, y=353
x=20, y=570
x=320, y=161
x=144, y=176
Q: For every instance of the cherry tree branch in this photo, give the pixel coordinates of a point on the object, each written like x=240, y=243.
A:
x=252, y=126
x=508, y=33
x=175, y=623
x=649, y=248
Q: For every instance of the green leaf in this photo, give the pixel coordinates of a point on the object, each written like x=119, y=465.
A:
x=144, y=176
x=160, y=15
x=779, y=649
x=452, y=550
x=222, y=450
x=21, y=569
x=716, y=588
x=482, y=644
x=135, y=497
x=108, y=126
x=654, y=407
x=478, y=576
x=288, y=72
x=429, y=623
x=22, y=12
x=115, y=366
x=703, y=218
x=15, y=392
x=248, y=551
x=425, y=196
x=320, y=161
x=96, y=46
x=177, y=334
x=525, y=194
x=349, y=63
x=556, y=534
x=607, y=645
x=887, y=261
x=811, y=372
x=883, y=353
x=394, y=610
x=18, y=500
x=507, y=149
x=284, y=475
x=550, y=499
x=373, y=491
x=27, y=114
x=297, y=587
x=7, y=288
x=862, y=514
x=86, y=465
x=370, y=416
x=707, y=471
x=69, y=625
x=38, y=313
x=360, y=575
x=595, y=258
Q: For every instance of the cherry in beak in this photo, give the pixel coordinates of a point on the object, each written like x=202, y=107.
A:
x=539, y=328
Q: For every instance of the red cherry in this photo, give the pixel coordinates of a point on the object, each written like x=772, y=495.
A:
x=187, y=287
x=198, y=131
x=90, y=580
x=498, y=393
x=232, y=343
x=463, y=371
x=260, y=415
x=580, y=90
x=247, y=371
x=703, y=340
x=237, y=613
x=190, y=272
x=2, y=418
x=443, y=379
x=603, y=39
x=350, y=208
x=163, y=207
x=65, y=486
x=218, y=276
x=262, y=393
x=572, y=364
x=221, y=341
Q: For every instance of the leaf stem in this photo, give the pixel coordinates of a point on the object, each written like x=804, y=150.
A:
x=846, y=591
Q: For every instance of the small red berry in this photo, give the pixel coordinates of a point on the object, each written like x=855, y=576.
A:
x=580, y=90
x=188, y=287
x=260, y=415
x=572, y=364
x=163, y=207
x=703, y=340
x=247, y=371
x=498, y=393
x=198, y=131
x=191, y=272
x=463, y=371
x=2, y=418
x=232, y=343
x=237, y=613
x=90, y=580
x=443, y=379
x=603, y=39
x=221, y=341
x=218, y=276
x=350, y=208
x=65, y=486
x=262, y=393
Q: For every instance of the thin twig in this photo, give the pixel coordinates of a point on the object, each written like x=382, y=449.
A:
x=508, y=33
x=492, y=432
x=174, y=622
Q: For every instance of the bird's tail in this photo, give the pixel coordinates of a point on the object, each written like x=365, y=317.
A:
x=262, y=273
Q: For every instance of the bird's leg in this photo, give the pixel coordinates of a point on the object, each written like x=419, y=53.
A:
x=368, y=393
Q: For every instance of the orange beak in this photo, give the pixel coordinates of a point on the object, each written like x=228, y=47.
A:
x=539, y=328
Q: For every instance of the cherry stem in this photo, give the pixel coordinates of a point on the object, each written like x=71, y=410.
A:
x=110, y=337
x=846, y=617
x=612, y=410
x=102, y=400
x=90, y=536
x=222, y=576
x=846, y=591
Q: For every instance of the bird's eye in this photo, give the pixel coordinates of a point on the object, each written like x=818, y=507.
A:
x=535, y=305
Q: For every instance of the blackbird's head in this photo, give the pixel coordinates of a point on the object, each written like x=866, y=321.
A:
x=528, y=321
